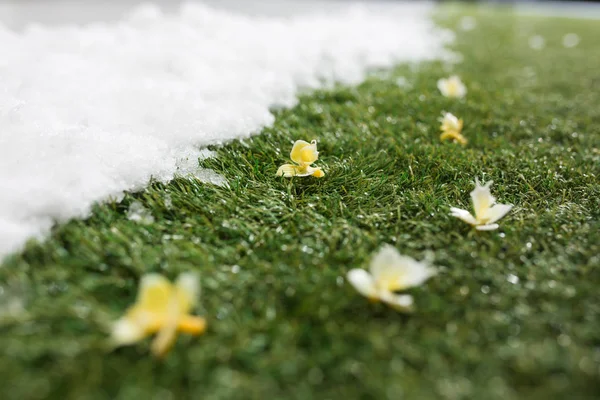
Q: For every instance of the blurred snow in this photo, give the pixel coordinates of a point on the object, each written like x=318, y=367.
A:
x=139, y=214
x=89, y=111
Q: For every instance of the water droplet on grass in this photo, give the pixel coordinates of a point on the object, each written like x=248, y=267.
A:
x=570, y=40
x=451, y=328
x=315, y=376
x=307, y=250
x=537, y=42
x=467, y=23
x=563, y=340
x=139, y=214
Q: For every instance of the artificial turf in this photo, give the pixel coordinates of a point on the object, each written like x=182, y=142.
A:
x=512, y=314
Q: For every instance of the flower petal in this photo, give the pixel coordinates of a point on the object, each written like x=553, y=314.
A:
x=168, y=332
x=304, y=153
x=414, y=272
x=455, y=136
x=497, y=211
x=362, y=282
x=400, y=302
x=464, y=215
x=442, y=85
x=192, y=325
x=452, y=87
x=188, y=290
x=154, y=293
x=489, y=227
x=318, y=173
x=393, y=271
x=125, y=332
x=385, y=263
x=164, y=340
x=451, y=123
x=482, y=199
x=287, y=170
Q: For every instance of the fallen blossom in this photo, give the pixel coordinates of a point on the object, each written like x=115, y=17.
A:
x=487, y=212
x=162, y=308
x=304, y=154
x=390, y=272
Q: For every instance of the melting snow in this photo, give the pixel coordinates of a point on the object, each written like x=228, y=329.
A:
x=87, y=112
x=139, y=214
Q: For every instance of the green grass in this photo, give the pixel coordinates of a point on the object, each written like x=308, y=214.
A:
x=287, y=325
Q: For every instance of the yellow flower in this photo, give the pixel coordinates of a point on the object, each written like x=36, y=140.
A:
x=452, y=87
x=162, y=308
x=303, y=154
x=487, y=212
x=451, y=128
x=390, y=272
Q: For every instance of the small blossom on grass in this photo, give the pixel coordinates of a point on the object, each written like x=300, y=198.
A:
x=390, y=272
x=162, y=308
x=487, y=212
x=451, y=129
x=303, y=154
x=452, y=87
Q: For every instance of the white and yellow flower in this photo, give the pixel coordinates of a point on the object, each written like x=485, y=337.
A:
x=162, y=308
x=487, y=212
x=452, y=87
x=451, y=128
x=304, y=154
x=390, y=272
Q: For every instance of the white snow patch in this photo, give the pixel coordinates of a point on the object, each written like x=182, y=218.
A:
x=87, y=112
x=209, y=176
x=138, y=213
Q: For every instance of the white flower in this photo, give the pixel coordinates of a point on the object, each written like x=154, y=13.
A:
x=451, y=128
x=487, y=212
x=451, y=123
x=304, y=154
x=162, y=308
x=390, y=272
x=452, y=87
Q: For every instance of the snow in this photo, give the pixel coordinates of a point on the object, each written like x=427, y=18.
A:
x=139, y=214
x=87, y=112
